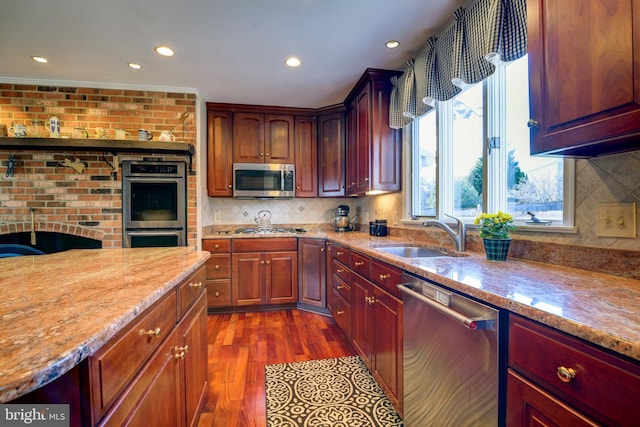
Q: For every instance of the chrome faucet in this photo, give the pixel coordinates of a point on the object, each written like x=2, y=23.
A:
x=458, y=237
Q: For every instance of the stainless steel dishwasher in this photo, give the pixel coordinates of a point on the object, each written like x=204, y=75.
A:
x=451, y=358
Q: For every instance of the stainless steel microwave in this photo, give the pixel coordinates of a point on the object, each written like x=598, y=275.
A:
x=263, y=180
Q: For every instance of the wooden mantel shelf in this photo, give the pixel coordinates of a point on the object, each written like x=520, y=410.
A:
x=110, y=145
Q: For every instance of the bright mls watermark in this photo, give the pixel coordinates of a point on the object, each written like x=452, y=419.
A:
x=34, y=415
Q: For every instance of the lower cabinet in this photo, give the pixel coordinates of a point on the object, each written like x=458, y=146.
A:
x=312, y=272
x=218, y=272
x=155, y=371
x=558, y=380
x=264, y=272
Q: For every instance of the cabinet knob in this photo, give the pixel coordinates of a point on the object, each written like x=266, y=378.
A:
x=321, y=249
x=370, y=300
x=358, y=263
x=261, y=262
x=565, y=374
x=155, y=333
x=230, y=186
x=533, y=123
x=266, y=154
x=216, y=246
x=216, y=267
x=384, y=276
x=261, y=154
x=268, y=262
x=217, y=294
x=179, y=352
x=195, y=285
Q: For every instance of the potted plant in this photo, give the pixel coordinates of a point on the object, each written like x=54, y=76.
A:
x=494, y=230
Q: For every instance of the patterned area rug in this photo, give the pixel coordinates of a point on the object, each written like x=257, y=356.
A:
x=326, y=393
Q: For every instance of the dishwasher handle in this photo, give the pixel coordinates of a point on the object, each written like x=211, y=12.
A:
x=471, y=323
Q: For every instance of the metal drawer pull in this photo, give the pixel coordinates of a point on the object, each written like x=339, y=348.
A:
x=151, y=332
x=340, y=287
x=358, y=263
x=565, y=374
x=196, y=285
x=339, y=270
x=339, y=312
x=179, y=352
x=339, y=253
x=384, y=276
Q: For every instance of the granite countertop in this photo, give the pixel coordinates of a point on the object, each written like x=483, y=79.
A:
x=599, y=308
x=58, y=309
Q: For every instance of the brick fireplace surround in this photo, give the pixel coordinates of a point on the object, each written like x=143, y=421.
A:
x=87, y=204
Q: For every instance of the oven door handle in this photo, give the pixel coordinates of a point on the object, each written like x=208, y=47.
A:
x=472, y=323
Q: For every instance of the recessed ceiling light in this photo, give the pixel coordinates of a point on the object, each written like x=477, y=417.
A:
x=292, y=61
x=164, y=50
x=134, y=65
x=40, y=59
x=392, y=44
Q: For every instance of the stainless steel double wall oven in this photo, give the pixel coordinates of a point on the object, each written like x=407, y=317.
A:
x=154, y=199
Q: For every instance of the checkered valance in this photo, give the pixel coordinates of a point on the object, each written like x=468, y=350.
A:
x=483, y=34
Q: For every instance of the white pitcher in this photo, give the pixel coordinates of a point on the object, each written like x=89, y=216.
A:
x=53, y=126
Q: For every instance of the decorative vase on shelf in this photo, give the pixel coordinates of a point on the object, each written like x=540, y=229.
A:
x=497, y=249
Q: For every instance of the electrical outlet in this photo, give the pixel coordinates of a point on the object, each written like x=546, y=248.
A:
x=216, y=217
x=395, y=218
x=617, y=220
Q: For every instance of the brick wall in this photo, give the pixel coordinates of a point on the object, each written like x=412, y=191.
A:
x=88, y=203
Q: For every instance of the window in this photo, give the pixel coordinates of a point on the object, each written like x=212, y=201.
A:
x=458, y=174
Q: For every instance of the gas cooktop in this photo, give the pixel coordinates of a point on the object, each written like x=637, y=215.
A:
x=272, y=230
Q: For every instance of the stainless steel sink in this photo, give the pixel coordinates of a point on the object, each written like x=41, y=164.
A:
x=412, y=251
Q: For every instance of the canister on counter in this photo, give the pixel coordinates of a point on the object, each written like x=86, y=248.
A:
x=372, y=228
x=381, y=227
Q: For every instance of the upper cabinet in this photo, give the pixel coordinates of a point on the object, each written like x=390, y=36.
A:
x=584, y=67
x=331, y=154
x=219, y=155
x=374, y=150
x=263, y=138
x=306, y=142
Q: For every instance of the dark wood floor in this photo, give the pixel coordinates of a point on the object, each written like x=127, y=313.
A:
x=240, y=345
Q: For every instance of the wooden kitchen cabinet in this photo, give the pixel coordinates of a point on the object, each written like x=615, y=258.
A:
x=556, y=379
x=263, y=138
x=584, y=71
x=374, y=150
x=331, y=155
x=306, y=154
x=219, y=153
x=155, y=359
x=312, y=272
x=218, y=272
x=264, y=271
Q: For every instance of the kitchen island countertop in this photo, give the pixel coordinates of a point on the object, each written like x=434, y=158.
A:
x=58, y=309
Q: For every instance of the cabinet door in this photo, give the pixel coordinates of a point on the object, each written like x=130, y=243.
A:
x=331, y=155
x=306, y=149
x=279, y=139
x=363, y=138
x=193, y=331
x=158, y=381
x=352, y=152
x=584, y=67
x=387, y=345
x=361, y=317
x=219, y=154
x=248, y=138
x=247, y=279
x=530, y=406
x=312, y=280
x=281, y=277
x=386, y=143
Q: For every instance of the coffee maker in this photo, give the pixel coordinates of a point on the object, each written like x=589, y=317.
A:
x=342, y=218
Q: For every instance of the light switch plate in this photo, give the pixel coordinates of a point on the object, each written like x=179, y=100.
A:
x=617, y=220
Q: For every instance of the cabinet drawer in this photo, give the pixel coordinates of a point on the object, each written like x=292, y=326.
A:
x=189, y=290
x=604, y=386
x=216, y=245
x=219, y=266
x=386, y=276
x=269, y=244
x=341, y=254
x=219, y=293
x=116, y=363
x=361, y=264
x=341, y=271
x=341, y=312
x=342, y=288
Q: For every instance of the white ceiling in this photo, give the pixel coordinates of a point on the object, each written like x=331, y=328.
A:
x=227, y=51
